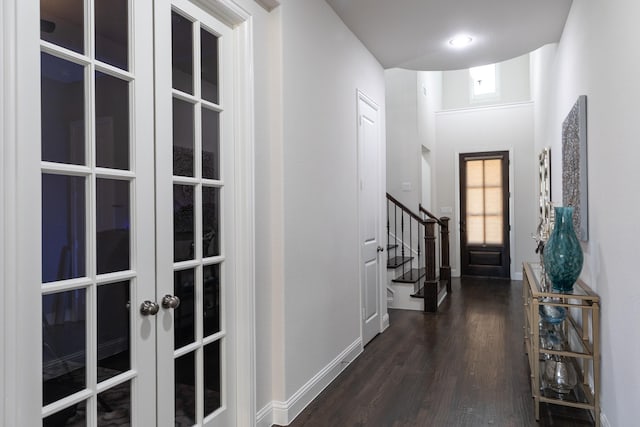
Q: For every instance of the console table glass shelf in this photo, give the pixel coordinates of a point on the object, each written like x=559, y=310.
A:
x=581, y=348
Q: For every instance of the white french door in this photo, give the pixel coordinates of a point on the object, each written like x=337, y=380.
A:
x=195, y=199
x=137, y=214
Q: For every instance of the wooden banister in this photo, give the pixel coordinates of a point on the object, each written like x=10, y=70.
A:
x=404, y=208
x=432, y=282
x=429, y=214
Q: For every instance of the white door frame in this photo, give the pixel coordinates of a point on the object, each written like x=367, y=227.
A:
x=20, y=211
x=382, y=293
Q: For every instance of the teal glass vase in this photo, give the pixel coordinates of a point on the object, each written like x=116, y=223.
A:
x=563, y=256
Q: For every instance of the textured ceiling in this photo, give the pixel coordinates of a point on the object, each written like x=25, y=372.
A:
x=415, y=34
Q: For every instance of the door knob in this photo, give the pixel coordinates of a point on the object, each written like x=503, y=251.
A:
x=170, y=301
x=149, y=308
x=380, y=249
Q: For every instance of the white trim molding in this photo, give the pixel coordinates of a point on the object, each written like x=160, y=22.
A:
x=268, y=5
x=283, y=413
x=234, y=15
x=245, y=220
x=20, y=366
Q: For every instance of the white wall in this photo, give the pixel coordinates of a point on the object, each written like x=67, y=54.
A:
x=412, y=100
x=508, y=127
x=323, y=64
x=597, y=57
x=513, y=82
x=429, y=102
x=404, y=151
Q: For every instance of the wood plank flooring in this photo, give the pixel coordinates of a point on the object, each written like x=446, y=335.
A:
x=463, y=366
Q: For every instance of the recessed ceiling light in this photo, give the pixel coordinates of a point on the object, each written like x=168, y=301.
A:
x=460, y=40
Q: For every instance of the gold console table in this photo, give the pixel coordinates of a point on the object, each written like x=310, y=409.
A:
x=581, y=329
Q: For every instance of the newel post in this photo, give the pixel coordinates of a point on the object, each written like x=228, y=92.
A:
x=431, y=281
x=445, y=268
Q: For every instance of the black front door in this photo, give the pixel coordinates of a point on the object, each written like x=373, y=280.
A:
x=484, y=213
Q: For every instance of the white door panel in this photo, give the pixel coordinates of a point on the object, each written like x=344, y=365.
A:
x=195, y=185
x=370, y=200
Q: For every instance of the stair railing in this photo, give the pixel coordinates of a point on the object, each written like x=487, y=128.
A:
x=445, y=262
x=404, y=240
x=419, y=260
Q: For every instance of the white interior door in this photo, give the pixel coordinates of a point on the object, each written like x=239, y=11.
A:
x=98, y=237
x=370, y=201
x=195, y=199
x=137, y=249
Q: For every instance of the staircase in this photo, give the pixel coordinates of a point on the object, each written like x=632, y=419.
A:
x=413, y=258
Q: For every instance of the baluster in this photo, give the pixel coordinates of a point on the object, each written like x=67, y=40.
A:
x=445, y=268
x=395, y=230
x=402, y=234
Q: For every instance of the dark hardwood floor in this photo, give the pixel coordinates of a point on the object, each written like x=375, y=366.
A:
x=463, y=366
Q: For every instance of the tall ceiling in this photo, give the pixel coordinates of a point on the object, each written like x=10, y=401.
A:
x=415, y=34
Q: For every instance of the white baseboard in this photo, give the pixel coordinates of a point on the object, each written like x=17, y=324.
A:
x=283, y=413
x=517, y=275
x=264, y=417
x=385, y=322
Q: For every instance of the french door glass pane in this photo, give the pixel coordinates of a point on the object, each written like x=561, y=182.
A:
x=182, y=53
x=63, y=227
x=212, y=397
x=183, y=138
x=210, y=221
x=112, y=122
x=62, y=110
x=183, y=222
x=63, y=344
x=73, y=416
x=113, y=330
x=210, y=144
x=185, y=390
x=211, y=308
x=114, y=406
x=209, y=64
x=184, y=314
x=62, y=23
x=112, y=225
x=112, y=32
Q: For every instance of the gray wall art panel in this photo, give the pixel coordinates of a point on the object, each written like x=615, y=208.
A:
x=574, y=166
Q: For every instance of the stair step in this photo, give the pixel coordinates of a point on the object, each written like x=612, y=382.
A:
x=441, y=285
x=397, y=261
x=419, y=294
x=390, y=246
x=411, y=276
